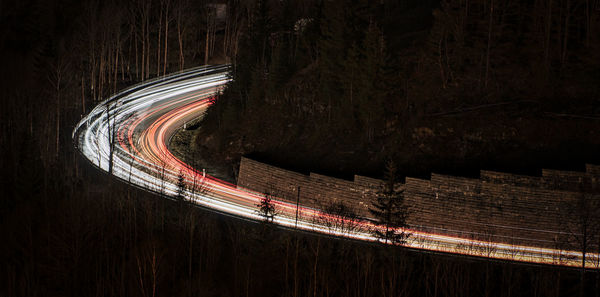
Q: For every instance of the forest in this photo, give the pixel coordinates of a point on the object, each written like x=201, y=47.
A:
x=453, y=86
x=365, y=80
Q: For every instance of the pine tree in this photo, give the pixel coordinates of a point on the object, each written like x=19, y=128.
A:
x=389, y=210
x=332, y=49
x=370, y=95
x=266, y=208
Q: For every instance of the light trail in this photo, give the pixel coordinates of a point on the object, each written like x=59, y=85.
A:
x=144, y=117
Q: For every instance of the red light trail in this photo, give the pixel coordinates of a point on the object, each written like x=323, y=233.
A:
x=147, y=115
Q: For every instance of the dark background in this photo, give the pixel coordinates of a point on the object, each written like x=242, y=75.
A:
x=451, y=87
x=436, y=86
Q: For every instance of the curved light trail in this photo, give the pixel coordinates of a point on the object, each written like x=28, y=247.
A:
x=137, y=123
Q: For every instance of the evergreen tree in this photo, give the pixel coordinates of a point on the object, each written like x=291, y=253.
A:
x=370, y=100
x=389, y=210
x=266, y=208
x=332, y=48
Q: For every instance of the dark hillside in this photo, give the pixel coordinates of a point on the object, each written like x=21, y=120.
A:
x=67, y=229
x=455, y=87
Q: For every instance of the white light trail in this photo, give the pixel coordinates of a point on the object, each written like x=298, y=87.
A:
x=146, y=115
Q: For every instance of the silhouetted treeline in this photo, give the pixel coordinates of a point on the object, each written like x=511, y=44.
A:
x=113, y=240
x=448, y=86
x=66, y=229
x=61, y=57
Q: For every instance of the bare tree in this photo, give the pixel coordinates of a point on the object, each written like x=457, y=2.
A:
x=583, y=225
x=179, y=196
x=167, y=4
x=339, y=217
x=181, y=7
x=489, y=43
x=210, y=32
x=111, y=134
x=56, y=78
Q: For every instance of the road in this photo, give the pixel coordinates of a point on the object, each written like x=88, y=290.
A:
x=137, y=124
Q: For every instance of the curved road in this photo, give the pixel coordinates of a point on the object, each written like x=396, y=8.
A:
x=137, y=124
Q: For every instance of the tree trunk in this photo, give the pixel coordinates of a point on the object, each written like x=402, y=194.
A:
x=58, y=117
x=588, y=25
x=82, y=94
x=548, y=34
x=315, y=267
x=158, y=52
x=206, y=41
x=166, y=38
x=180, y=41
x=566, y=33
x=137, y=69
x=489, y=44
x=143, y=62
x=116, y=66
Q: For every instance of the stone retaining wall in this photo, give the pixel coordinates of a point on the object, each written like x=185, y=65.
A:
x=535, y=210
